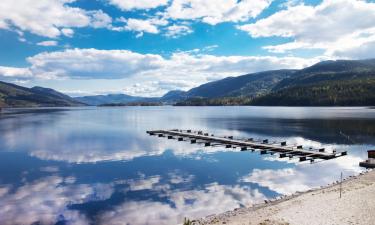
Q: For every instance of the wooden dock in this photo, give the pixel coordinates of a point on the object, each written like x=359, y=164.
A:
x=199, y=137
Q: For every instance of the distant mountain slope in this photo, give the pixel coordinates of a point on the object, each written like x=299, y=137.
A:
x=12, y=95
x=170, y=97
x=246, y=85
x=339, y=83
x=331, y=71
x=173, y=96
x=328, y=83
x=357, y=92
x=113, y=99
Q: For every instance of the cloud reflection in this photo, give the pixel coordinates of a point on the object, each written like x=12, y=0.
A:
x=45, y=201
x=214, y=198
x=303, y=177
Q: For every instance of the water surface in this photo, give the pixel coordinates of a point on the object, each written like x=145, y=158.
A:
x=98, y=166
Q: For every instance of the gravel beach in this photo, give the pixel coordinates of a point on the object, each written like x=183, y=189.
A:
x=321, y=206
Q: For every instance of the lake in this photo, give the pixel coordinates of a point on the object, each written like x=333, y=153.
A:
x=98, y=166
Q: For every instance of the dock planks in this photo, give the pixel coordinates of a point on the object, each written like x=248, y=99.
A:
x=249, y=144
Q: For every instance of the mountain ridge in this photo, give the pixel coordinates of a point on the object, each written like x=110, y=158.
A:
x=333, y=82
x=12, y=95
x=327, y=83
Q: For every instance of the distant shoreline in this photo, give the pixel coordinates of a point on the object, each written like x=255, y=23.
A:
x=161, y=105
x=313, y=207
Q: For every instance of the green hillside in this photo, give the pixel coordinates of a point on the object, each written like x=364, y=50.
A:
x=12, y=95
x=328, y=83
x=358, y=92
x=246, y=85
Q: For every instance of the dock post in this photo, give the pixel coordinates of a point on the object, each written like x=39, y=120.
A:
x=340, y=184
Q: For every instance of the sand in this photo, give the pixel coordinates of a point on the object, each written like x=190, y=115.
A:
x=322, y=206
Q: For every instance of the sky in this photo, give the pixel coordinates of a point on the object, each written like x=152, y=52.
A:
x=149, y=47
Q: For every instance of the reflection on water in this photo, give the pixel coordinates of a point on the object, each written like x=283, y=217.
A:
x=98, y=166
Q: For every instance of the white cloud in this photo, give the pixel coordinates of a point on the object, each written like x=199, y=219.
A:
x=67, y=32
x=150, y=25
x=48, y=43
x=92, y=63
x=99, y=19
x=128, y=5
x=141, y=26
x=15, y=72
x=176, y=31
x=333, y=25
x=48, y=18
x=218, y=12
x=156, y=73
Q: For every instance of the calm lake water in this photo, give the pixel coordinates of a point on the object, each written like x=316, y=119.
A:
x=98, y=165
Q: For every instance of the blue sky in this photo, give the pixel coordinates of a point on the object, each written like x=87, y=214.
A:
x=148, y=47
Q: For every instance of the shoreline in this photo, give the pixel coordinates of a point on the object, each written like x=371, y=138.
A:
x=315, y=206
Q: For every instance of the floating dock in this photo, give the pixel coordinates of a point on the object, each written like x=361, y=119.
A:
x=370, y=162
x=264, y=147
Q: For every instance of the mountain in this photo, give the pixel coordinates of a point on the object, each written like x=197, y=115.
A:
x=115, y=99
x=12, y=95
x=246, y=85
x=328, y=83
x=327, y=71
x=173, y=96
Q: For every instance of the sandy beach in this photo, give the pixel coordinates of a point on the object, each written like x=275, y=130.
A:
x=322, y=206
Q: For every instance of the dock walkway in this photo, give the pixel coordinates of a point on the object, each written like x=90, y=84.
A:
x=196, y=137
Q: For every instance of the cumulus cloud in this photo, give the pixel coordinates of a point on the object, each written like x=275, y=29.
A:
x=141, y=26
x=176, y=31
x=156, y=73
x=333, y=25
x=92, y=63
x=128, y=5
x=48, y=18
x=149, y=25
x=14, y=72
x=99, y=19
x=47, y=43
x=220, y=11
